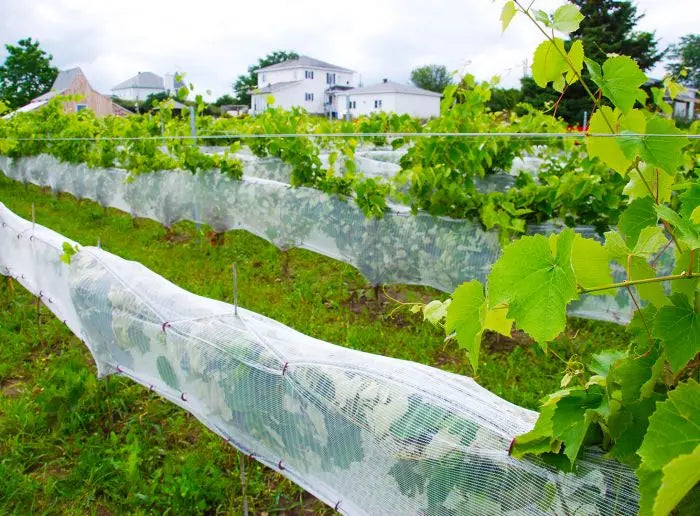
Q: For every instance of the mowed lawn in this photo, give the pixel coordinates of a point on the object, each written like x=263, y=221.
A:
x=70, y=443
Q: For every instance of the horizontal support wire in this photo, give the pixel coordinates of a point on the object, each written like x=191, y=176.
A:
x=543, y=136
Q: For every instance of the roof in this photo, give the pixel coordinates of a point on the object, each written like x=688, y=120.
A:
x=65, y=79
x=142, y=80
x=303, y=62
x=275, y=86
x=390, y=87
x=35, y=104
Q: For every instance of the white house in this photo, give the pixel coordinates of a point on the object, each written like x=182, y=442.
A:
x=143, y=84
x=305, y=82
x=390, y=97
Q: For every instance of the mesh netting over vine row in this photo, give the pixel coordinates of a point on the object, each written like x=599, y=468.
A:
x=399, y=248
x=366, y=434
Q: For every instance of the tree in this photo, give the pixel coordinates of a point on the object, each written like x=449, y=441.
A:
x=608, y=27
x=504, y=99
x=225, y=100
x=26, y=73
x=249, y=81
x=685, y=55
x=431, y=77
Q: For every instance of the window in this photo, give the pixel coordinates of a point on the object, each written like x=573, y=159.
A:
x=330, y=78
x=308, y=97
x=264, y=77
x=80, y=107
x=377, y=104
x=309, y=74
x=352, y=104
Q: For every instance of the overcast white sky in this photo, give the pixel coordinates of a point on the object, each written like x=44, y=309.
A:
x=215, y=41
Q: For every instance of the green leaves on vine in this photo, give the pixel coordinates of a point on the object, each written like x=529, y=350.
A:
x=552, y=63
x=669, y=453
x=619, y=79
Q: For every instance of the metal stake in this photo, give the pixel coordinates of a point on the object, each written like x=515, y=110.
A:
x=235, y=290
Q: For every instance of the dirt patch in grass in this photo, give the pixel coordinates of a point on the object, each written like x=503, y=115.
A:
x=11, y=387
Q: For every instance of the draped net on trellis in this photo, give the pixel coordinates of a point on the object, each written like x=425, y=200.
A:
x=366, y=434
x=399, y=248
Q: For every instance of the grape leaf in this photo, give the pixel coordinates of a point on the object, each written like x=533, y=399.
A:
x=674, y=431
x=650, y=240
x=507, y=14
x=539, y=439
x=664, y=152
x=686, y=231
x=616, y=247
x=465, y=317
x=607, y=149
x=686, y=286
x=591, y=263
x=435, y=311
x=603, y=361
x=653, y=292
x=638, y=215
x=567, y=18
x=628, y=425
x=690, y=200
x=575, y=56
x=678, y=326
x=573, y=415
x=536, y=283
x=635, y=377
x=657, y=180
x=619, y=80
x=548, y=64
x=678, y=477
x=497, y=320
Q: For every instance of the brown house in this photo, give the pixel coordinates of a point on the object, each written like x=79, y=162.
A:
x=72, y=82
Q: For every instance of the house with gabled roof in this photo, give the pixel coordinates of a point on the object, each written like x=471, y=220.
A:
x=74, y=82
x=143, y=84
x=391, y=97
x=305, y=82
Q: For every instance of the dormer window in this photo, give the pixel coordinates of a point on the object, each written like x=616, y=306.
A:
x=309, y=74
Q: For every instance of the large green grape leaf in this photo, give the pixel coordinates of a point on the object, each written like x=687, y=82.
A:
x=567, y=18
x=575, y=57
x=639, y=214
x=678, y=477
x=465, y=317
x=664, y=152
x=535, y=283
x=686, y=231
x=603, y=361
x=548, y=64
x=678, y=327
x=591, y=263
x=619, y=80
x=674, y=431
x=653, y=178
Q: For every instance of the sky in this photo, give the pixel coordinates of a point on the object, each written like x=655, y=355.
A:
x=215, y=41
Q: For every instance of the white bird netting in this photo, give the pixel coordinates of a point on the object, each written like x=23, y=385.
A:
x=400, y=248
x=366, y=434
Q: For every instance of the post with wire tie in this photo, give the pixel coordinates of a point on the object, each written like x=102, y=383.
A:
x=235, y=290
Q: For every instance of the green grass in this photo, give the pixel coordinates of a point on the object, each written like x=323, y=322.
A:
x=72, y=444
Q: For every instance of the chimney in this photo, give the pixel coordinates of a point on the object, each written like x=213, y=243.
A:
x=385, y=81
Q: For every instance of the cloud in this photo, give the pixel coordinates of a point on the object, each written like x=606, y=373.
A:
x=215, y=41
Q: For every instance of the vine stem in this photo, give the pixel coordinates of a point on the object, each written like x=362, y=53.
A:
x=566, y=58
x=628, y=283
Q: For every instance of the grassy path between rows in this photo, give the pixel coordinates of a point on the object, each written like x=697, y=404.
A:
x=72, y=444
